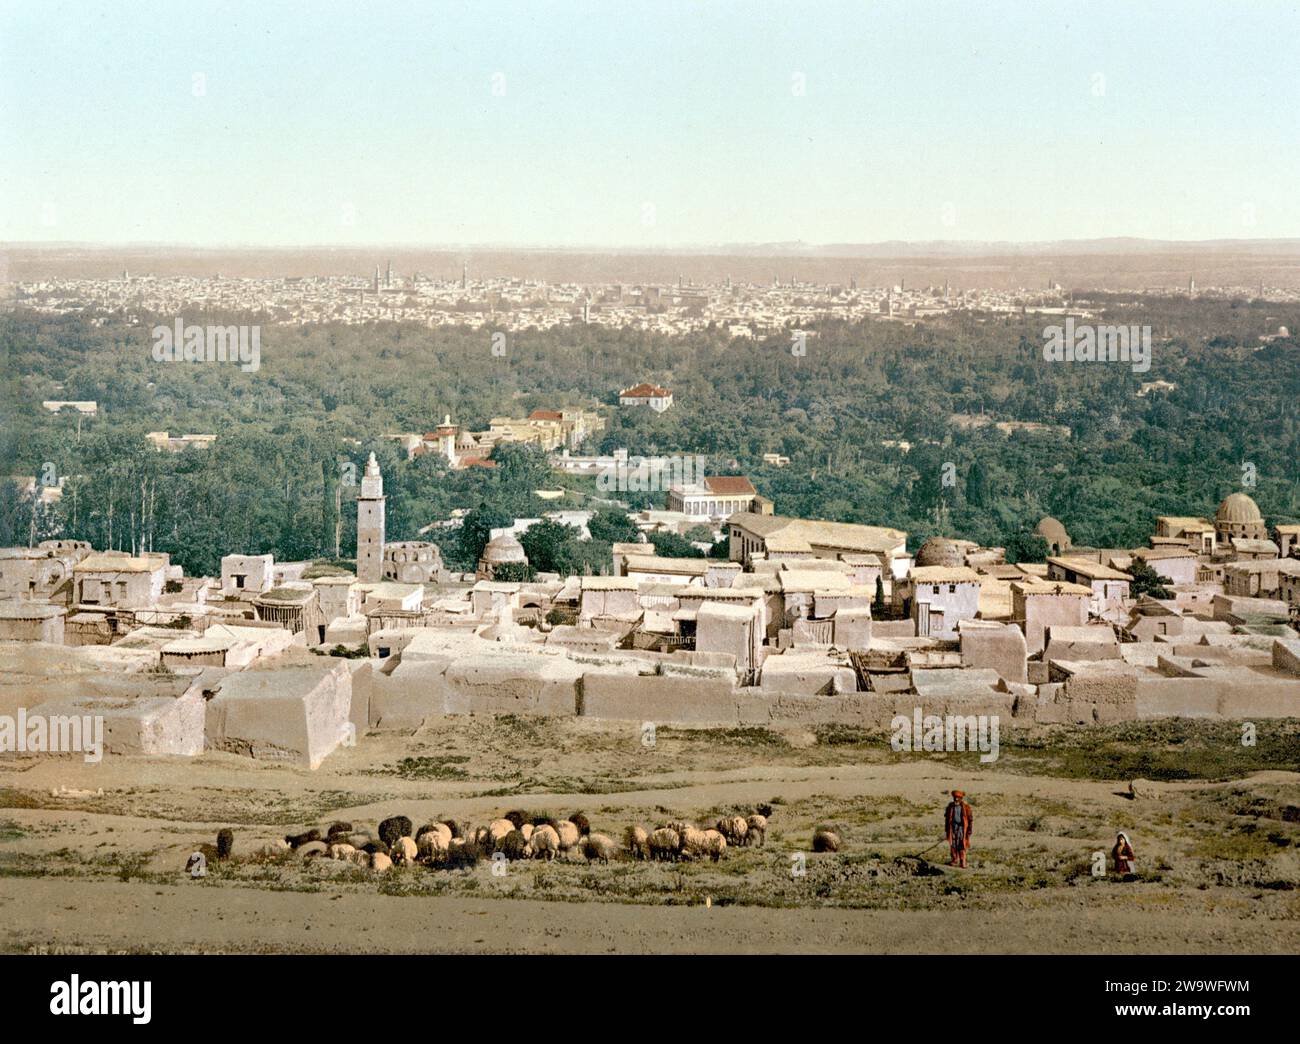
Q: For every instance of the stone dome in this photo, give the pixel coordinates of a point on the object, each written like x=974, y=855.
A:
x=940, y=551
x=412, y=562
x=504, y=548
x=1051, y=530
x=1239, y=509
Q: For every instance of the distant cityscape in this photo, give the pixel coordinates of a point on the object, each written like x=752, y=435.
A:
x=742, y=309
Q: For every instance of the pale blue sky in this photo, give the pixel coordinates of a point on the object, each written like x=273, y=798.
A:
x=357, y=123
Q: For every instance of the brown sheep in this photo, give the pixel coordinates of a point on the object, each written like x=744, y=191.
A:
x=599, y=846
x=825, y=840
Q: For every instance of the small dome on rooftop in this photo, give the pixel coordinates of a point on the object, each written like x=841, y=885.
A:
x=941, y=551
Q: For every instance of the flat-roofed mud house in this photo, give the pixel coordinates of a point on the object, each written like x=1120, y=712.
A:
x=1038, y=604
x=1110, y=587
x=1287, y=539
x=760, y=536
x=41, y=573
x=938, y=598
x=1195, y=533
x=1175, y=563
x=31, y=622
x=243, y=575
x=119, y=581
x=1260, y=579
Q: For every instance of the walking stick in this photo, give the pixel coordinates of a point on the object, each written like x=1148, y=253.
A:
x=930, y=849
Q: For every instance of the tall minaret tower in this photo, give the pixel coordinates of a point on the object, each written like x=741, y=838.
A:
x=447, y=432
x=370, y=525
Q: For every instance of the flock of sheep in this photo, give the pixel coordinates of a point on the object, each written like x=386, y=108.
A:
x=451, y=844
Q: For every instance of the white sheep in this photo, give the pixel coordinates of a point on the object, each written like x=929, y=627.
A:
x=545, y=843
x=440, y=829
x=260, y=849
x=695, y=843
x=404, y=850
x=527, y=830
x=380, y=863
x=434, y=845
x=498, y=829
x=341, y=850
x=599, y=846
x=568, y=833
x=680, y=826
x=637, y=840
x=733, y=828
x=757, y=831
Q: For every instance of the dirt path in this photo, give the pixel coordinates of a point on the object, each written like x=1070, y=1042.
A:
x=80, y=915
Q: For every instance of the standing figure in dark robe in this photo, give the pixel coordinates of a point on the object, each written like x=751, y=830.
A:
x=957, y=821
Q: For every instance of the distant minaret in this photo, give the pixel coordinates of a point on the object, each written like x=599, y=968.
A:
x=126, y=276
x=1191, y=285
x=388, y=276
x=446, y=434
x=375, y=286
x=370, y=524
x=464, y=276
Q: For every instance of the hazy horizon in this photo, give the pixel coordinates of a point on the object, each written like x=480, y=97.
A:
x=648, y=125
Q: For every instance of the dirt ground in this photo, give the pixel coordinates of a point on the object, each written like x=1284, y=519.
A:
x=92, y=857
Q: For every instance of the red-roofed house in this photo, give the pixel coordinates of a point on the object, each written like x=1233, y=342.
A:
x=657, y=398
x=718, y=496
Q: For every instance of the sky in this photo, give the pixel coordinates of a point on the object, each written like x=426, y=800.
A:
x=646, y=125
